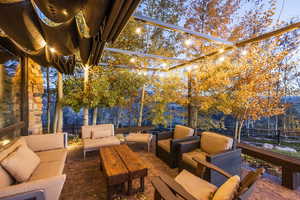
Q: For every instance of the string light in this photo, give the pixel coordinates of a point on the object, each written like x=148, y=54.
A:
x=138, y=30
x=188, y=42
x=221, y=59
x=244, y=52
x=132, y=60
x=53, y=50
x=164, y=64
x=221, y=51
x=5, y=142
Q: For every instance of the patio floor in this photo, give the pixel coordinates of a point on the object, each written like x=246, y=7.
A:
x=85, y=181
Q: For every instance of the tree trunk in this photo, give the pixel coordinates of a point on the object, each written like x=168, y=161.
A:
x=60, y=96
x=86, y=110
x=141, y=107
x=238, y=130
x=95, y=114
x=48, y=102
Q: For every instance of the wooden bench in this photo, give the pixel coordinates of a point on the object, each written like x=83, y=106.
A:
x=290, y=166
x=121, y=165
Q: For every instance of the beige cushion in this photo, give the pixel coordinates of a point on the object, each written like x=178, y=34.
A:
x=95, y=143
x=86, y=132
x=11, y=148
x=138, y=137
x=48, y=170
x=182, y=132
x=53, y=155
x=165, y=144
x=188, y=157
x=45, y=142
x=21, y=163
x=213, y=143
x=228, y=190
x=196, y=186
x=102, y=130
x=5, y=178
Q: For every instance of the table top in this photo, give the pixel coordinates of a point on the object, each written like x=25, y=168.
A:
x=120, y=162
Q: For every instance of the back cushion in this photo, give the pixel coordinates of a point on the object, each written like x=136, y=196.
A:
x=228, y=190
x=45, y=142
x=21, y=163
x=102, y=130
x=5, y=178
x=213, y=143
x=86, y=132
x=182, y=132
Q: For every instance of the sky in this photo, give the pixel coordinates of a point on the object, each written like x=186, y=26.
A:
x=291, y=9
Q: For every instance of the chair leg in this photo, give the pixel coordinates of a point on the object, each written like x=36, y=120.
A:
x=84, y=153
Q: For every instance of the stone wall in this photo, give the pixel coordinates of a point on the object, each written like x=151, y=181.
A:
x=10, y=93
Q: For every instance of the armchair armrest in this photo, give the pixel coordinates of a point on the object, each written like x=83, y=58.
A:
x=163, y=135
x=176, y=142
x=45, y=141
x=188, y=146
x=211, y=166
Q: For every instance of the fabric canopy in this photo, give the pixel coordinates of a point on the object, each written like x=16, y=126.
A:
x=61, y=33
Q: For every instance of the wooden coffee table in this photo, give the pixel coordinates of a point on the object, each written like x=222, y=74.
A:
x=121, y=165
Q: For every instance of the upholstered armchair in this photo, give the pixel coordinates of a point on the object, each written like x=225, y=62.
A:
x=187, y=186
x=167, y=142
x=214, y=148
x=96, y=136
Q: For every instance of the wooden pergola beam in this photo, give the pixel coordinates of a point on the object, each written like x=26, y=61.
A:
x=143, y=54
x=241, y=43
x=172, y=27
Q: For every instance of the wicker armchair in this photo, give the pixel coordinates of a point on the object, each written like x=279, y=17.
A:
x=213, y=148
x=190, y=187
x=167, y=142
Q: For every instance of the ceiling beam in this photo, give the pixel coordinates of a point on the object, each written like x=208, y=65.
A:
x=143, y=54
x=172, y=27
x=241, y=43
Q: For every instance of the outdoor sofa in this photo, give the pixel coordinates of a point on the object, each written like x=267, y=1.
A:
x=32, y=168
x=214, y=148
x=167, y=143
x=96, y=136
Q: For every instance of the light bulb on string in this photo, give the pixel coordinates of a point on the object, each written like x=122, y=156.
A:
x=138, y=30
x=132, y=60
x=52, y=49
x=164, y=64
x=221, y=59
x=188, y=42
x=221, y=51
x=244, y=52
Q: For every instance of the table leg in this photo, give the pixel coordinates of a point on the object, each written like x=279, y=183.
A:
x=109, y=192
x=129, y=187
x=142, y=184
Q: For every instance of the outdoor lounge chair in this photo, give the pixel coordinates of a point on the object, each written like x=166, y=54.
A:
x=166, y=143
x=213, y=148
x=96, y=136
x=190, y=187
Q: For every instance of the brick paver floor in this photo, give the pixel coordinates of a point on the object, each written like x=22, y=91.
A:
x=85, y=181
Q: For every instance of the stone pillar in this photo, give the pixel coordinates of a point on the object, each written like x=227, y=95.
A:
x=35, y=94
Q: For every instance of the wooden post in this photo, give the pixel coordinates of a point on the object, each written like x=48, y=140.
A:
x=86, y=110
x=189, y=99
x=24, y=95
x=60, y=96
x=48, y=101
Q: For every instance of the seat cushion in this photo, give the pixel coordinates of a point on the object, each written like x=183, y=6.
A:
x=188, y=157
x=5, y=178
x=45, y=142
x=53, y=155
x=182, y=132
x=95, y=143
x=165, y=144
x=47, y=170
x=138, y=137
x=196, y=186
x=228, y=190
x=21, y=163
x=213, y=143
